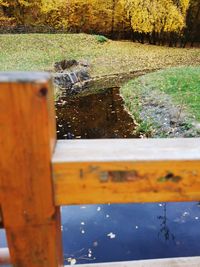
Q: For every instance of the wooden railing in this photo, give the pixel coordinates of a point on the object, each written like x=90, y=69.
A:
x=38, y=174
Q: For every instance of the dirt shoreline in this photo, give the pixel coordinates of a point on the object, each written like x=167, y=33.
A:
x=164, y=117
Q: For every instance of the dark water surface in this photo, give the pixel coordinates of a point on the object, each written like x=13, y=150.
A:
x=100, y=233
x=93, y=116
x=131, y=232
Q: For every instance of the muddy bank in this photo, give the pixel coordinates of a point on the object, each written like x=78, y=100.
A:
x=100, y=115
x=163, y=116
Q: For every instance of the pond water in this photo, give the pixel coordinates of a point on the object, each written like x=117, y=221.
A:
x=93, y=116
x=103, y=233
x=131, y=232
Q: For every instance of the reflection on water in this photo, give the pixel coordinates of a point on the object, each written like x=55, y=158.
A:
x=99, y=115
x=164, y=228
x=99, y=233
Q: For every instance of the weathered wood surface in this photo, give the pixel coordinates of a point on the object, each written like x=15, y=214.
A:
x=24, y=77
x=27, y=139
x=122, y=171
x=170, y=262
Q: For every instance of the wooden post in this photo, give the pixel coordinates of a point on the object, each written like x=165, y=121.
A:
x=27, y=139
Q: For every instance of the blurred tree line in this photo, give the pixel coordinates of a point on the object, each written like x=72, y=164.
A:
x=173, y=22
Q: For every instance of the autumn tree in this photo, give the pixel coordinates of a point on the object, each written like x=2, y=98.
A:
x=24, y=11
x=120, y=25
x=53, y=13
x=192, y=32
x=37, y=12
x=155, y=18
x=4, y=18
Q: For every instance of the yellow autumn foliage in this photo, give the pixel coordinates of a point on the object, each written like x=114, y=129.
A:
x=143, y=17
x=53, y=13
x=149, y=16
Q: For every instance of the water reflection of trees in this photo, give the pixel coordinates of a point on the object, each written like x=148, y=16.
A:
x=164, y=228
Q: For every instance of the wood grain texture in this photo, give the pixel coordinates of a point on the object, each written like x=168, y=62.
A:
x=123, y=171
x=27, y=126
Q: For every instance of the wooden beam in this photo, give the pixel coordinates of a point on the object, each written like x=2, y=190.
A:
x=27, y=139
x=122, y=171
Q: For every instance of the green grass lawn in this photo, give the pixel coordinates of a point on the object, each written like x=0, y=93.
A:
x=40, y=51
x=182, y=84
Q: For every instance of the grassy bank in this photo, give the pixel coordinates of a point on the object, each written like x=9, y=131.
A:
x=182, y=85
x=40, y=51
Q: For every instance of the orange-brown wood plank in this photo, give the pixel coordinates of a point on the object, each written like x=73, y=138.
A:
x=122, y=171
x=27, y=138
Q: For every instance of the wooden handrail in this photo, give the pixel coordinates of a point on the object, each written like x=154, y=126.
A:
x=124, y=170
